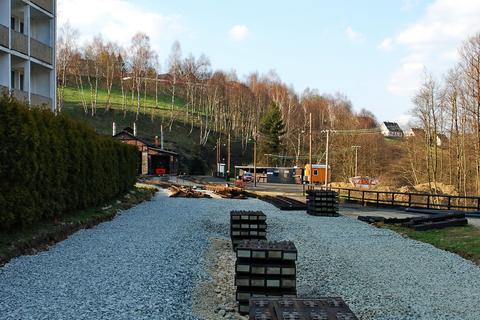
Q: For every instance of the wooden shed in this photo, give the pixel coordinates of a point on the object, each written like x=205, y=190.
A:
x=318, y=176
x=153, y=159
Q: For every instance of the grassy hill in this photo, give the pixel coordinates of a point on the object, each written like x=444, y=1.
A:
x=73, y=96
x=194, y=159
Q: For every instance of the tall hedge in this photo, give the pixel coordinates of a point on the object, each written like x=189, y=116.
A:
x=51, y=165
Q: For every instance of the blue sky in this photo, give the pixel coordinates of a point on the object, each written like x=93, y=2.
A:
x=373, y=51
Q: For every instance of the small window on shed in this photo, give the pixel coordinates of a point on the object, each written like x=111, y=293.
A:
x=315, y=172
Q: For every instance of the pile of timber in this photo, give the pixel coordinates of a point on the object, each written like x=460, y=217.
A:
x=227, y=192
x=247, y=225
x=300, y=309
x=284, y=203
x=185, y=192
x=437, y=222
x=322, y=203
x=265, y=269
x=377, y=219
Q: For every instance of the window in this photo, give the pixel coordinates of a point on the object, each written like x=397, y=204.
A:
x=315, y=172
x=12, y=23
x=22, y=80
x=22, y=27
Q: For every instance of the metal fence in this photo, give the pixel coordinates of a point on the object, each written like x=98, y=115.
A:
x=410, y=200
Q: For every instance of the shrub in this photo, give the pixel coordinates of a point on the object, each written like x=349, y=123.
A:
x=51, y=165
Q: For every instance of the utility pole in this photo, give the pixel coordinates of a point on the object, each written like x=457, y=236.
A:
x=255, y=157
x=161, y=137
x=326, y=155
x=355, y=148
x=326, y=159
x=217, y=156
x=310, y=178
x=229, y=155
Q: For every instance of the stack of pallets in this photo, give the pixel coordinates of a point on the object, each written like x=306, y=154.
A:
x=247, y=225
x=264, y=269
x=322, y=203
x=300, y=309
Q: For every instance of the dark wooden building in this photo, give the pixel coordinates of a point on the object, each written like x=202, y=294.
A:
x=153, y=159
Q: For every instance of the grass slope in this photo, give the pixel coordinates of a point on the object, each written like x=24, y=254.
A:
x=183, y=138
x=74, y=96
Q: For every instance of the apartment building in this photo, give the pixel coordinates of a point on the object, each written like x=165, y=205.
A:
x=27, y=50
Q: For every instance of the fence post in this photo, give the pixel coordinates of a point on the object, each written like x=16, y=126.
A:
x=478, y=204
x=378, y=195
x=428, y=201
x=349, y=191
x=363, y=198
x=449, y=203
x=409, y=200
x=393, y=199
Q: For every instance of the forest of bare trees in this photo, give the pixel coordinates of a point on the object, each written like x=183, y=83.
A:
x=219, y=104
x=448, y=112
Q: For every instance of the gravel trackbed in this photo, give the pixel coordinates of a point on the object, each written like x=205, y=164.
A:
x=146, y=263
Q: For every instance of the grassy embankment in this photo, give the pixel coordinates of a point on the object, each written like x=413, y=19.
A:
x=183, y=138
x=41, y=235
x=464, y=241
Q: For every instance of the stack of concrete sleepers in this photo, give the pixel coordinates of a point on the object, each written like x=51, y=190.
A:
x=300, y=309
x=322, y=203
x=264, y=269
x=247, y=225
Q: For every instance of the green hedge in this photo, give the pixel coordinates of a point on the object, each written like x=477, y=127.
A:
x=52, y=165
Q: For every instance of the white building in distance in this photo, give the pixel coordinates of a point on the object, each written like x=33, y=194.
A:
x=391, y=130
x=27, y=50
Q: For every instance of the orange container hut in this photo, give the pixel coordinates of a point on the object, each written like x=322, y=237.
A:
x=318, y=174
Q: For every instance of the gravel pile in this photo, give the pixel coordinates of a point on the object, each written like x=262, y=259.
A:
x=215, y=297
x=147, y=262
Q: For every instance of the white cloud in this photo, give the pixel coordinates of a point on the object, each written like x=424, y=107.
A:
x=239, y=33
x=119, y=20
x=386, y=45
x=354, y=36
x=432, y=42
x=404, y=120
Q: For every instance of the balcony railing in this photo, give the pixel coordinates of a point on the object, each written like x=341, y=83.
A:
x=20, y=95
x=39, y=100
x=44, y=4
x=19, y=42
x=41, y=51
x=3, y=36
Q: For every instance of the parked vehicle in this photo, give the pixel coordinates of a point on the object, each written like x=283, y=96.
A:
x=247, y=177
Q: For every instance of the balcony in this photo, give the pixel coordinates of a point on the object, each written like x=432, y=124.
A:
x=38, y=100
x=3, y=36
x=41, y=51
x=44, y=4
x=19, y=42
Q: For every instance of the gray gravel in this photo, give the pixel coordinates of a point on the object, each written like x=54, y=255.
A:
x=380, y=274
x=145, y=264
